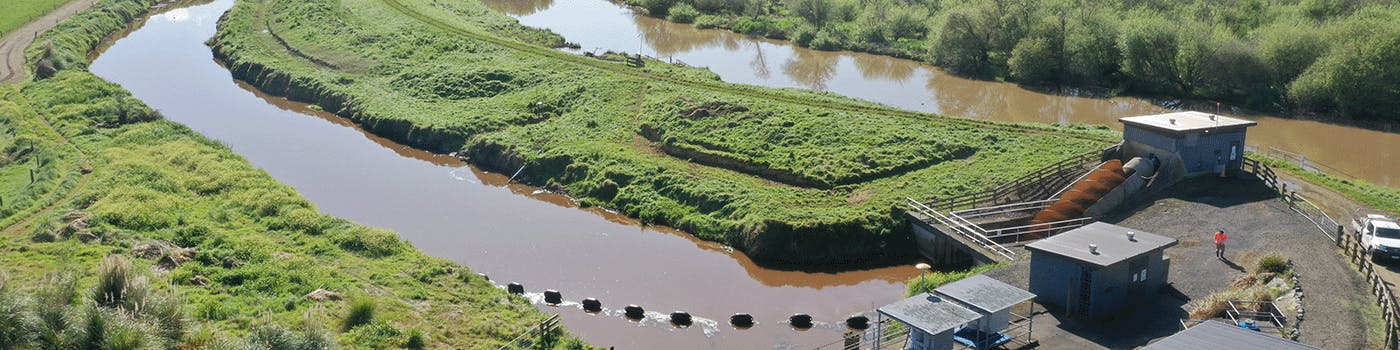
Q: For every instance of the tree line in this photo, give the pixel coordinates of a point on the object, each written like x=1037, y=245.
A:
x=1330, y=56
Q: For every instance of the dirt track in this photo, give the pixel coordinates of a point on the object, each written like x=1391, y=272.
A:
x=13, y=44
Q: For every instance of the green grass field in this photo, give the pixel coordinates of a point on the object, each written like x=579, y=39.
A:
x=15, y=13
x=791, y=177
x=112, y=179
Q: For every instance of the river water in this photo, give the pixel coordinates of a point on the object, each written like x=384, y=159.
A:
x=513, y=233
x=601, y=25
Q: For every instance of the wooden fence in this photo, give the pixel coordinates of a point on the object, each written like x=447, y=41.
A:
x=541, y=336
x=1360, y=256
x=1349, y=242
x=1039, y=184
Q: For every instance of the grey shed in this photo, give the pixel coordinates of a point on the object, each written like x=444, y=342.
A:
x=1215, y=334
x=1085, y=282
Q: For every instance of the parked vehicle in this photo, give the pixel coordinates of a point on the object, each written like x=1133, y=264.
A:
x=1379, y=233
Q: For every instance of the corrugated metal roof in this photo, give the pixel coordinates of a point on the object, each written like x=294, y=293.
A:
x=985, y=293
x=1112, y=240
x=929, y=313
x=1186, y=121
x=1214, y=334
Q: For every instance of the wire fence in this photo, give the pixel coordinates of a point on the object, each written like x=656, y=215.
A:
x=1302, y=161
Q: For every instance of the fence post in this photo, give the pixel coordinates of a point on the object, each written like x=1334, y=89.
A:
x=1340, y=235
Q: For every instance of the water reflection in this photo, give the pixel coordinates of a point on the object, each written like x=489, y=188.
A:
x=880, y=68
x=813, y=69
x=741, y=59
x=519, y=7
x=666, y=39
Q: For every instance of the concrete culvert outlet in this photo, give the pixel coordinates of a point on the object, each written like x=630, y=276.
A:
x=801, y=321
x=741, y=320
x=515, y=288
x=553, y=297
x=681, y=318
x=858, y=322
x=634, y=312
x=592, y=305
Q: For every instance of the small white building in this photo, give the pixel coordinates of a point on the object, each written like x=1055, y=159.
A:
x=973, y=312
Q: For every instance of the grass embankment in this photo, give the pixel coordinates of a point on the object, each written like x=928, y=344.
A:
x=1375, y=196
x=18, y=12
x=234, y=248
x=1297, y=55
x=791, y=177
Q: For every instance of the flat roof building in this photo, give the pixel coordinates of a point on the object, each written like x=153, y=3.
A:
x=1213, y=334
x=974, y=311
x=1098, y=270
x=1187, y=143
x=932, y=320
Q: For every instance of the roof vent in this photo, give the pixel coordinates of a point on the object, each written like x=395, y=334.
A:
x=1212, y=117
x=1173, y=121
x=1094, y=249
x=1132, y=236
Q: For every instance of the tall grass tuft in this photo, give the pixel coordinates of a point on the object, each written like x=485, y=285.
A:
x=361, y=313
x=12, y=321
x=52, y=318
x=281, y=338
x=113, y=278
x=415, y=340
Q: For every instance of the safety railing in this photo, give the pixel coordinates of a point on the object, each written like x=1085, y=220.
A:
x=962, y=228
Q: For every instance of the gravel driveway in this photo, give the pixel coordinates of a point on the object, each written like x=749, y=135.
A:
x=1258, y=223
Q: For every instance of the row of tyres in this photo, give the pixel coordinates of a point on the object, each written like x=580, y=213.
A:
x=682, y=318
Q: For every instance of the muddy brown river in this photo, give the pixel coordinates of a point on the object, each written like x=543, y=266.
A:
x=511, y=232
x=600, y=25
x=544, y=240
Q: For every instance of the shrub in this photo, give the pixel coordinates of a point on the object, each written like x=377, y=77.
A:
x=361, y=313
x=1272, y=263
x=1033, y=61
x=658, y=8
x=828, y=39
x=415, y=340
x=683, y=13
x=708, y=22
x=377, y=335
x=281, y=338
x=370, y=242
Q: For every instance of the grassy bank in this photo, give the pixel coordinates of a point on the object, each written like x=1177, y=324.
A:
x=933, y=280
x=1372, y=195
x=237, y=251
x=1309, y=56
x=793, y=178
x=19, y=12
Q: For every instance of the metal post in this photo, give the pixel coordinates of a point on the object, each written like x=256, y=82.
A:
x=879, y=329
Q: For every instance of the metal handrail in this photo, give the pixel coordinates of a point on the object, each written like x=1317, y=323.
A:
x=961, y=229
x=1324, y=223
x=1005, y=208
x=1077, y=162
x=1049, y=226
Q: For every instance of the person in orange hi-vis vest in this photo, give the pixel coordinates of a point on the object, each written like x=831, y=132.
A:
x=1220, y=238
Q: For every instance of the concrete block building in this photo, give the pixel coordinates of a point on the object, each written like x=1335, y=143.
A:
x=1098, y=270
x=1187, y=143
x=1214, y=334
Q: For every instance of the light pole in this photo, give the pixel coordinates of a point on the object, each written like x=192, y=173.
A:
x=923, y=267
